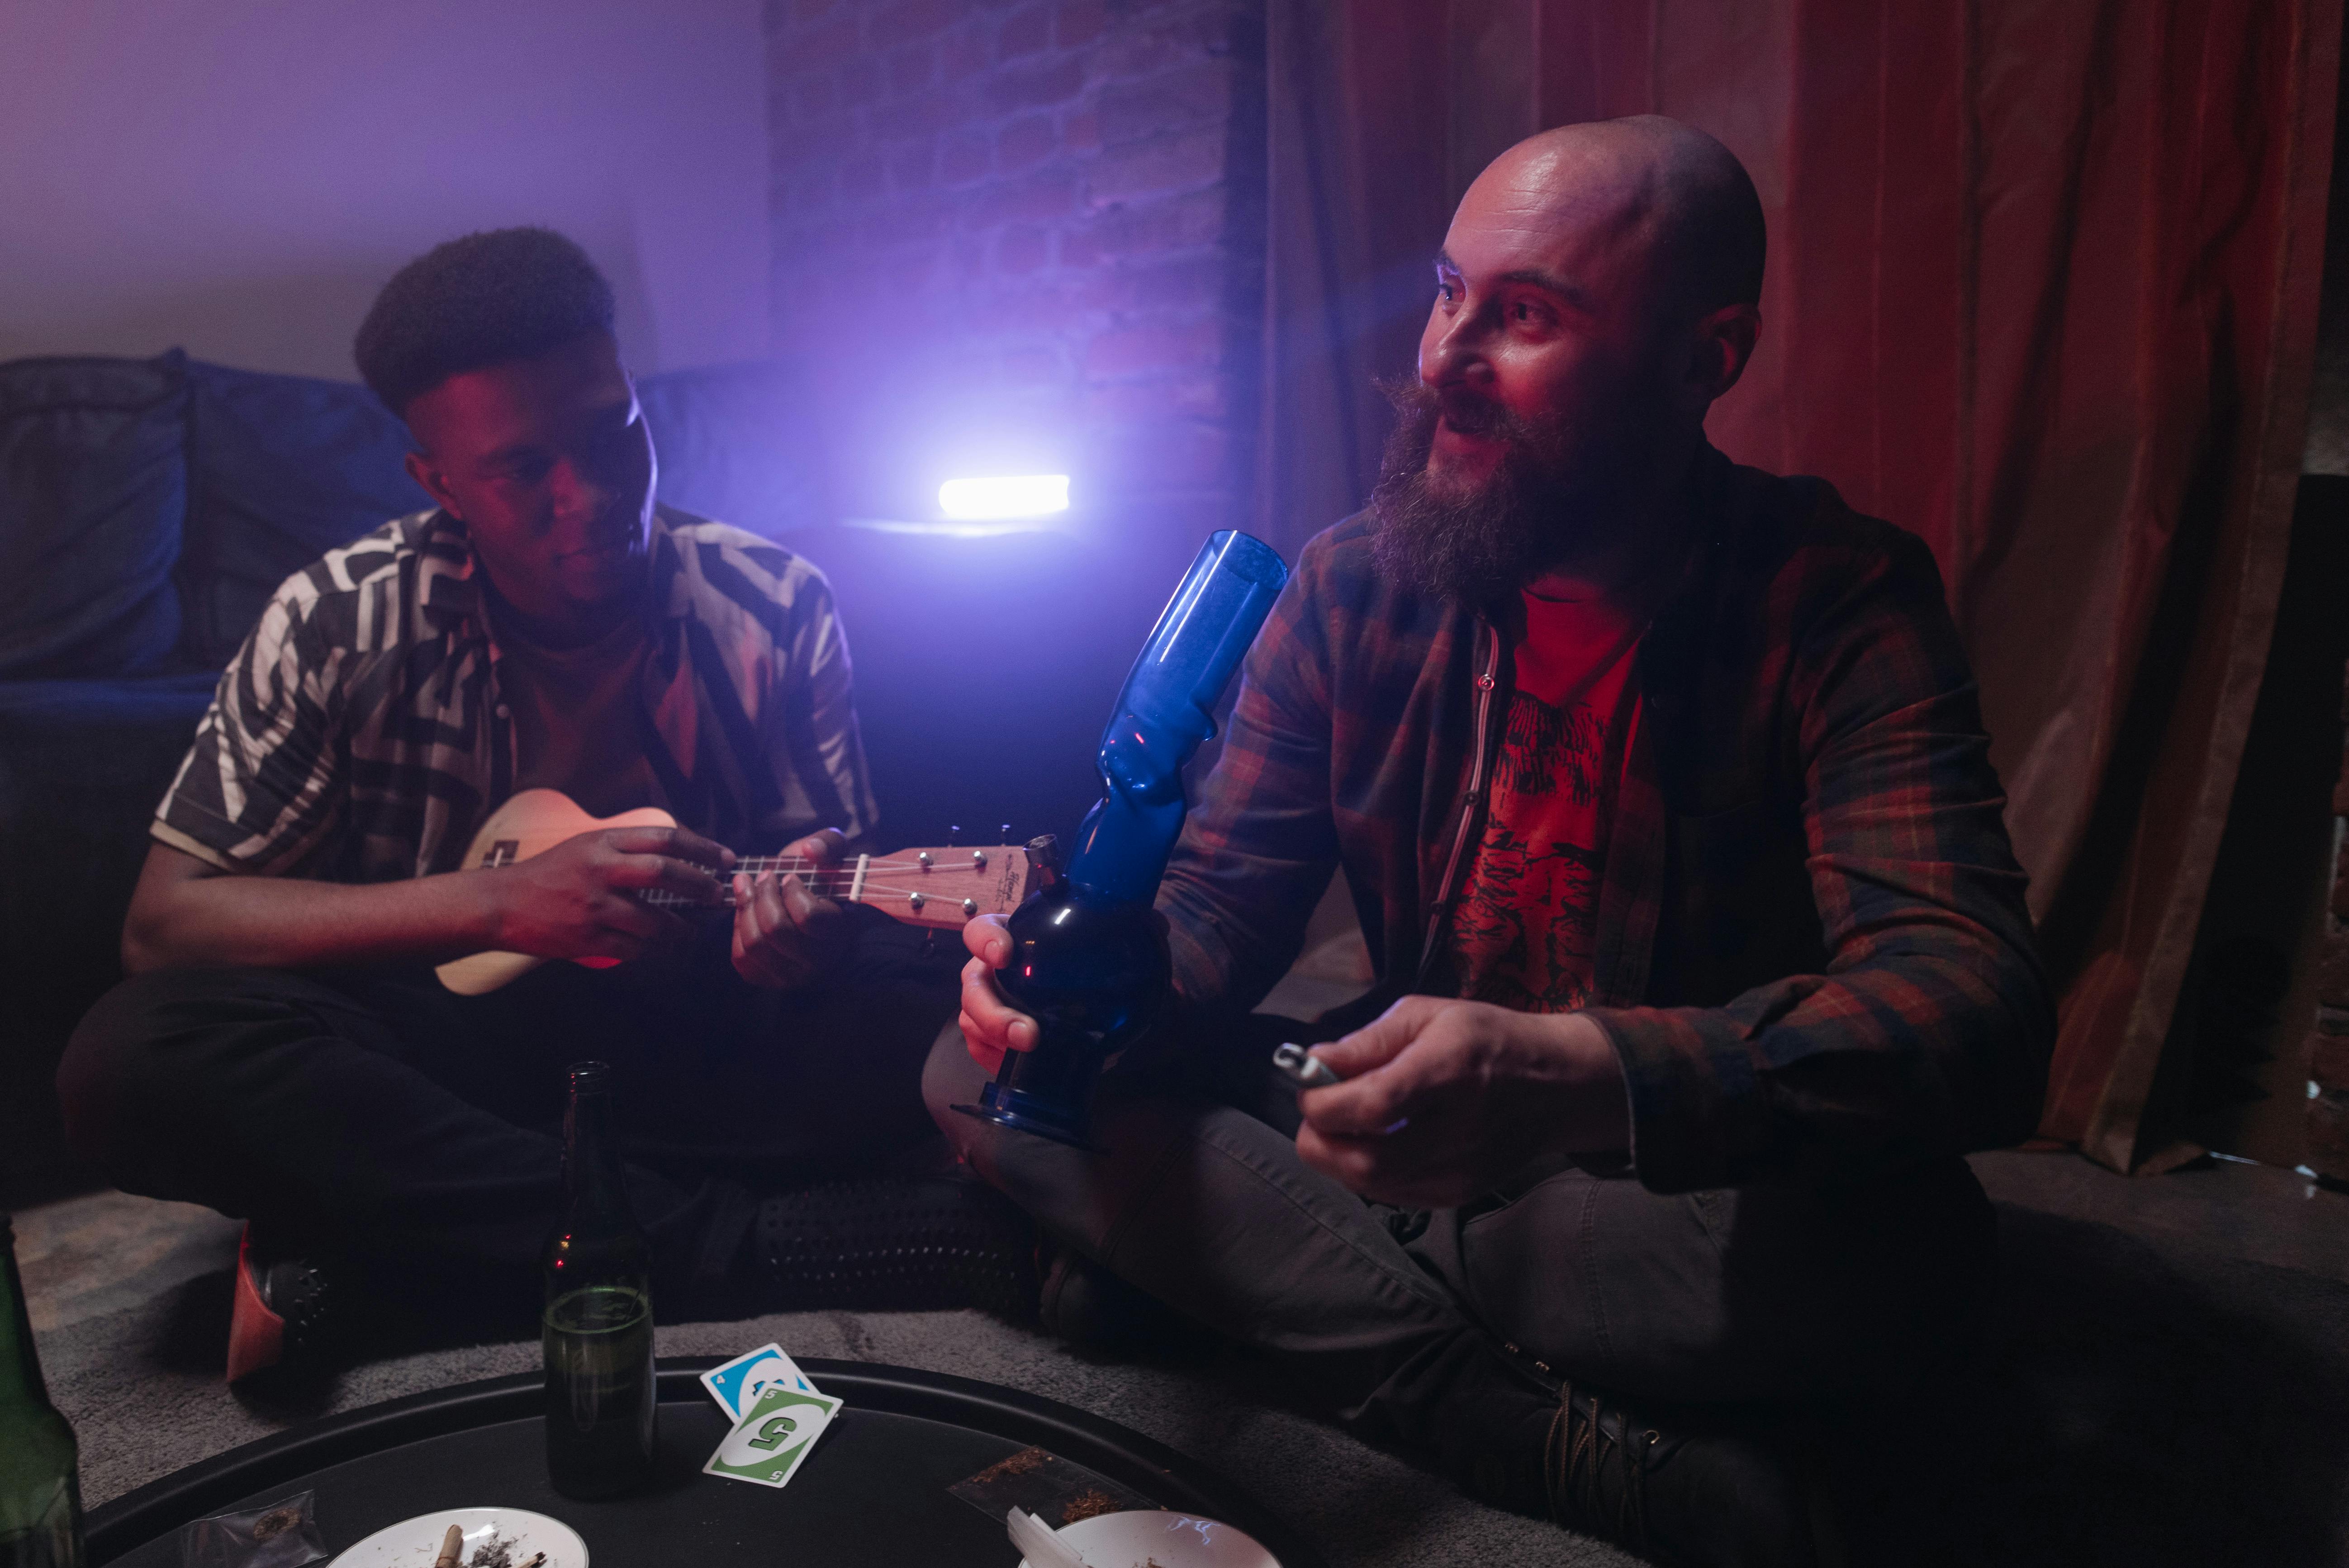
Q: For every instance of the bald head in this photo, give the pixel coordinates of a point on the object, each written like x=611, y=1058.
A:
x=1663, y=189
x=1598, y=288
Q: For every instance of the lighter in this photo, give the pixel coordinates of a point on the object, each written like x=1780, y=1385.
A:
x=1303, y=1068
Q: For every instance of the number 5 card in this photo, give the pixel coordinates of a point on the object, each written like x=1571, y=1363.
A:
x=768, y=1443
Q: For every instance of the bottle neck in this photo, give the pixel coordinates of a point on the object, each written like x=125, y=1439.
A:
x=20, y=1367
x=591, y=1154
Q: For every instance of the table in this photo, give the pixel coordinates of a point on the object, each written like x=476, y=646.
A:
x=873, y=1491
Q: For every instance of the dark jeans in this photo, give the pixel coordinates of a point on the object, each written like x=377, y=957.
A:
x=377, y=1118
x=1813, y=1292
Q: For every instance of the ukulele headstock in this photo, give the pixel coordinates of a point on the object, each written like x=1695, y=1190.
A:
x=938, y=888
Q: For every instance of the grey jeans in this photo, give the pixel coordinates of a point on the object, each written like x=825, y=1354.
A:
x=1421, y=1326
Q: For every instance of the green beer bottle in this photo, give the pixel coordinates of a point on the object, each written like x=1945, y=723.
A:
x=602, y=1403
x=40, y=1493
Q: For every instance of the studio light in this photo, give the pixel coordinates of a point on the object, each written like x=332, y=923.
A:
x=1012, y=495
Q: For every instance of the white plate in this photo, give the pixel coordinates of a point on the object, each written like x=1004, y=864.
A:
x=1171, y=1539
x=416, y=1543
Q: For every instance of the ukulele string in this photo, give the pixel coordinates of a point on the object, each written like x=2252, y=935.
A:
x=751, y=865
x=833, y=880
x=841, y=881
x=866, y=894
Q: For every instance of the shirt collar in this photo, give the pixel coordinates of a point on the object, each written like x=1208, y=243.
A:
x=452, y=593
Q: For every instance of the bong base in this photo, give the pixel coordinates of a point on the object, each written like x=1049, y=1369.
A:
x=1025, y=1113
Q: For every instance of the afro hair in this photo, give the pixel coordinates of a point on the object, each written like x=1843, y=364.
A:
x=485, y=299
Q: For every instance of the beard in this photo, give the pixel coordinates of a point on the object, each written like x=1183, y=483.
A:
x=1558, y=495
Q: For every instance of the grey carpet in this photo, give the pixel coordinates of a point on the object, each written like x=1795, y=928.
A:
x=2166, y=1389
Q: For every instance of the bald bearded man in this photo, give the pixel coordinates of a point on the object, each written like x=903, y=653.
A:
x=1661, y=791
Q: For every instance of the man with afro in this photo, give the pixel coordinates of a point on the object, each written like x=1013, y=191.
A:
x=282, y=1050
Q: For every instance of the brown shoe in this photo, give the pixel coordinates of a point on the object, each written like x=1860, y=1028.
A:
x=1690, y=1490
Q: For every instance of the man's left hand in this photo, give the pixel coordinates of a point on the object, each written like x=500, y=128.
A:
x=785, y=937
x=1444, y=1099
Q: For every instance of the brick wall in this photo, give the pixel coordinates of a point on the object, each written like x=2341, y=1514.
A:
x=1020, y=233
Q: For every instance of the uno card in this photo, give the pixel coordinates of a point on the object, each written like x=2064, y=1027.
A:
x=738, y=1385
x=766, y=1445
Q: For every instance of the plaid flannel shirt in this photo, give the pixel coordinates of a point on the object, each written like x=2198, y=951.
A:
x=358, y=734
x=1811, y=952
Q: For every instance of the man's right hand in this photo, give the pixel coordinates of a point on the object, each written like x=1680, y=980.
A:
x=990, y=1025
x=577, y=899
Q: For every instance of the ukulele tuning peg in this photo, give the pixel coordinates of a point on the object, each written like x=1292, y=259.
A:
x=952, y=834
x=1003, y=834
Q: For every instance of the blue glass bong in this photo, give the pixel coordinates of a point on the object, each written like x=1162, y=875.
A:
x=1088, y=960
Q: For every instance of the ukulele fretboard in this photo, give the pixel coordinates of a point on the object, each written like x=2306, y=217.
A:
x=914, y=879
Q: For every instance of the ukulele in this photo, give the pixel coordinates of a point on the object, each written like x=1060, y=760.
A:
x=940, y=887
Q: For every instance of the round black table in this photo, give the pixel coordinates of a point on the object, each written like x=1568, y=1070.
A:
x=873, y=1489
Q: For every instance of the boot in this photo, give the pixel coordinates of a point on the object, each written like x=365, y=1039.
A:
x=1687, y=1489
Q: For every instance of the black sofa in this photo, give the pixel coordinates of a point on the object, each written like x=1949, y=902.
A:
x=148, y=507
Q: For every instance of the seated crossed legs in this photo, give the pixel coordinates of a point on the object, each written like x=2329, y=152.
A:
x=546, y=631
x=403, y=1144
x=1632, y=1364
x=1665, y=803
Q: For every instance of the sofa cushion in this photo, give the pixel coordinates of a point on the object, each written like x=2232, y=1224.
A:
x=82, y=765
x=282, y=470
x=739, y=443
x=93, y=491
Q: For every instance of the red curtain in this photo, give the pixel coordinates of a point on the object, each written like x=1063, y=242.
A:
x=2043, y=288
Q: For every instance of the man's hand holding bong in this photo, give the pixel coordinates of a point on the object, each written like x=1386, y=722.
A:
x=990, y=1025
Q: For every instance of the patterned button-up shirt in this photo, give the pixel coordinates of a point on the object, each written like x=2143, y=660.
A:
x=1812, y=952
x=358, y=734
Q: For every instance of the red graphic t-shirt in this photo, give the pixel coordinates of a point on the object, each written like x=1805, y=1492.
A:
x=1523, y=933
